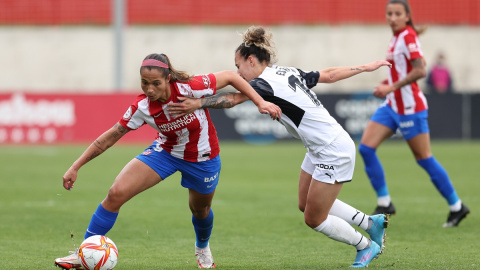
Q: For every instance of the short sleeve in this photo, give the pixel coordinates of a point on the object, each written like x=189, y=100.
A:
x=201, y=85
x=412, y=46
x=262, y=87
x=132, y=119
x=311, y=77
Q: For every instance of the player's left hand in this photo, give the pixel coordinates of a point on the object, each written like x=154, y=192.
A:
x=273, y=110
x=186, y=105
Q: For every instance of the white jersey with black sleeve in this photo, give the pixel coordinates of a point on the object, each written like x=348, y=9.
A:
x=303, y=115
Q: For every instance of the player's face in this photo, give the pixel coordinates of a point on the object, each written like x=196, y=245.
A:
x=245, y=67
x=397, y=17
x=155, y=85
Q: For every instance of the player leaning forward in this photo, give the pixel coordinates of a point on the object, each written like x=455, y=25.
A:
x=188, y=144
x=330, y=159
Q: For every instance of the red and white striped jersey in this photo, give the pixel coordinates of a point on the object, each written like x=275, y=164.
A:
x=403, y=48
x=191, y=137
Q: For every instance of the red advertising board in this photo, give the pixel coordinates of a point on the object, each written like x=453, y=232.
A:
x=221, y=12
x=64, y=118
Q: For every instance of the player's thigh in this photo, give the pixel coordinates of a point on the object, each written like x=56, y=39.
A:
x=375, y=133
x=420, y=146
x=383, y=123
x=134, y=178
x=303, y=186
x=416, y=132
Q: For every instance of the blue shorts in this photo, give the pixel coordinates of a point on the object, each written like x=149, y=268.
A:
x=199, y=176
x=410, y=125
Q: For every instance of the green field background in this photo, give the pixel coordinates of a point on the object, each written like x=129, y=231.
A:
x=257, y=222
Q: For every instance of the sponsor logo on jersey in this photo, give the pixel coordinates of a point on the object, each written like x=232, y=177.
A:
x=178, y=124
x=206, y=81
x=325, y=166
x=210, y=179
x=412, y=47
x=128, y=114
x=157, y=115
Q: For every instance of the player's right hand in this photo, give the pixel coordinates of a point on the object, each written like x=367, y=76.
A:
x=69, y=178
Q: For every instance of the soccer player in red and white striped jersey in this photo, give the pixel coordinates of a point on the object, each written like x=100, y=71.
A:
x=191, y=137
x=405, y=109
x=187, y=144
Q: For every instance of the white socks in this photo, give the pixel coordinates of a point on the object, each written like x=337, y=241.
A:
x=338, y=229
x=456, y=206
x=350, y=214
x=384, y=201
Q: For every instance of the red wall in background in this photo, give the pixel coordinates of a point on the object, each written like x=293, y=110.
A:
x=267, y=12
x=64, y=118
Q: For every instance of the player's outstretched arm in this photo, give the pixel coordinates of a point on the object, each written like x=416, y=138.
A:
x=100, y=145
x=230, y=77
x=334, y=74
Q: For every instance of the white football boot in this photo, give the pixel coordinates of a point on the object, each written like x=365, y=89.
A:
x=71, y=261
x=204, y=257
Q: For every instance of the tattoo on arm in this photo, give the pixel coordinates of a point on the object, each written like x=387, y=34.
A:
x=417, y=63
x=219, y=101
x=357, y=69
x=102, y=145
x=97, y=152
x=413, y=75
x=97, y=144
x=121, y=131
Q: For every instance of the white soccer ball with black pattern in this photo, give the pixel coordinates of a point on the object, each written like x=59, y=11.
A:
x=98, y=252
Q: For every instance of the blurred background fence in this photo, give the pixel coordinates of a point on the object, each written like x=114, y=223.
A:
x=59, y=52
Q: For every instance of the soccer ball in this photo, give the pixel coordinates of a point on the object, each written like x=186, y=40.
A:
x=98, y=252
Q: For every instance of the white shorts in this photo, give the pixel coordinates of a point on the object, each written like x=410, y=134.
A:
x=336, y=162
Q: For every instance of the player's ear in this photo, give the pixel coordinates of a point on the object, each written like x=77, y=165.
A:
x=169, y=77
x=251, y=60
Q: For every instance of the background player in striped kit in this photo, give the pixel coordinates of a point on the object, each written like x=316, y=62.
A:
x=405, y=108
x=188, y=144
x=330, y=159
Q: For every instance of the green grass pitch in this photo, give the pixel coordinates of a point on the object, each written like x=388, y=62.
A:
x=257, y=223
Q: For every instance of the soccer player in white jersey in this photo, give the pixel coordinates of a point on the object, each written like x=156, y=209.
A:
x=406, y=109
x=188, y=144
x=330, y=159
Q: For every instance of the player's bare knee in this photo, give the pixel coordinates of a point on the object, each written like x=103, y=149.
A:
x=313, y=221
x=200, y=212
x=115, y=198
